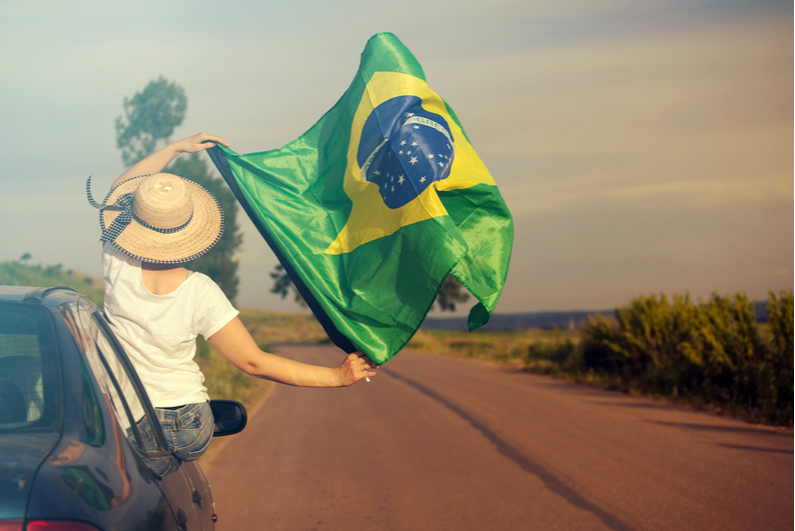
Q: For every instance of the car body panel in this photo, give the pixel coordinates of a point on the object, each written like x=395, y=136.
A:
x=86, y=468
x=20, y=457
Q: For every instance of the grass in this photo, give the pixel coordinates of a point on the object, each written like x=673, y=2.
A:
x=18, y=274
x=518, y=348
x=270, y=328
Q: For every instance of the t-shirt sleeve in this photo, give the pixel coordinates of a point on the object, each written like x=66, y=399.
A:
x=215, y=311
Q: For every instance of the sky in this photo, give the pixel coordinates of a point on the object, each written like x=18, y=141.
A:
x=642, y=147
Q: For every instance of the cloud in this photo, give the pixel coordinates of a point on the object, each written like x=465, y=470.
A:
x=635, y=142
x=702, y=117
x=708, y=193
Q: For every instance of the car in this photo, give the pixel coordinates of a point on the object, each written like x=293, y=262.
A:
x=71, y=455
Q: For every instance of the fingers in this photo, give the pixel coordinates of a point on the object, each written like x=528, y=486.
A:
x=213, y=138
x=368, y=369
x=202, y=141
x=362, y=356
x=361, y=365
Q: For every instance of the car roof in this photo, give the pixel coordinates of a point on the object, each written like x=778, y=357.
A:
x=33, y=294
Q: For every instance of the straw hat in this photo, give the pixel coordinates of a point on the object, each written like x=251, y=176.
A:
x=160, y=218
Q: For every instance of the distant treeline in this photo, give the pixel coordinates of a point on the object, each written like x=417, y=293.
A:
x=543, y=320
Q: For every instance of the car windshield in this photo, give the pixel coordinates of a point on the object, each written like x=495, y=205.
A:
x=29, y=370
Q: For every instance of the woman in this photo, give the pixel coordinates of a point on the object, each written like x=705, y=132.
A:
x=151, y=223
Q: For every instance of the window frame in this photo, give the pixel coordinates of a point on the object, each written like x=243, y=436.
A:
x=140, y=392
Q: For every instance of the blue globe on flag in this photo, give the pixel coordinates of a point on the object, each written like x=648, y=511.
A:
x=403, y=149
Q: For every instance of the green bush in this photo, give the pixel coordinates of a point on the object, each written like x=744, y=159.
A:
x=554, y=355
x=780, y=358
x=712, y=352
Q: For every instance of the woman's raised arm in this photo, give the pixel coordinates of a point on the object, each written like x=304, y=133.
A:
x=158, y=160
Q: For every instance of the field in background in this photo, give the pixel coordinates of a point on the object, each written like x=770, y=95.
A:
x=714, y=354
x=19, y=274
x=507, y=346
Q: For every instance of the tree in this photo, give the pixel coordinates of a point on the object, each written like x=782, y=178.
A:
x=451, y=291
x=282, y=285
x=220, y=263
x=149, y=119
x=25, y=257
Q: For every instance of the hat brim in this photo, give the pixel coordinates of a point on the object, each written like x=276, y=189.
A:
x=137, y=241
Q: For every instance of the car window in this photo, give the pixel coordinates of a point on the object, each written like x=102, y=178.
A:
x=30, y=389
x=92, y=415
x=117, y=380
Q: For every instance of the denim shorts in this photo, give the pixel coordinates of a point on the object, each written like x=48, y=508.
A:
x=188, y=430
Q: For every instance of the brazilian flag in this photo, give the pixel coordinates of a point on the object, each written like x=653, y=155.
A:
x=376, y=204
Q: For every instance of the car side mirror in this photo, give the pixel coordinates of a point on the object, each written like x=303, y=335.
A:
x=230, y=417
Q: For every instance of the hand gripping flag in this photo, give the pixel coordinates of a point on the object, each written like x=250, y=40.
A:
x=376, y=204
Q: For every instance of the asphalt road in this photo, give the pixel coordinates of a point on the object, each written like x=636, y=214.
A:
x=439, y=443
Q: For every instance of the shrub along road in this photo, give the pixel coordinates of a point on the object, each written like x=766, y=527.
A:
x=438, y=443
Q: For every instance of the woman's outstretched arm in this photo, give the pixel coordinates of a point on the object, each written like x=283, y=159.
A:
x=235, y=343
x=158, y=160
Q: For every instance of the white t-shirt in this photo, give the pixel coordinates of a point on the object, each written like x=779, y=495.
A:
x=158, y=332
